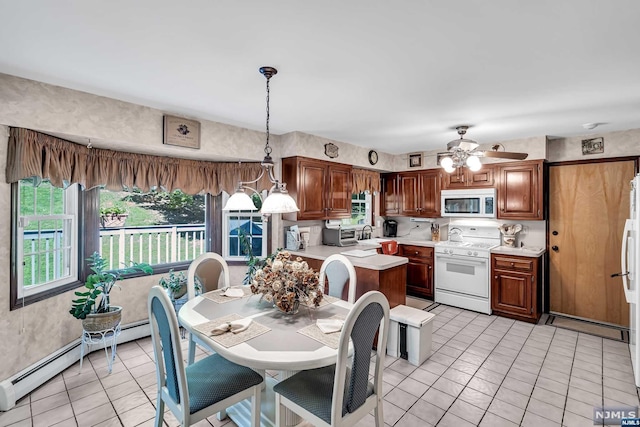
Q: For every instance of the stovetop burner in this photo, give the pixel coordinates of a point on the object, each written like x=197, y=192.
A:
x=475, y=245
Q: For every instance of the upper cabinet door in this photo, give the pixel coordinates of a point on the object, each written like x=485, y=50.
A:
x=430, y=193
x=390, y=195
x=339, y=191
x=520, y=191
x=464, y=178
x=409, y=194
x=311, y=193
x=454, y=180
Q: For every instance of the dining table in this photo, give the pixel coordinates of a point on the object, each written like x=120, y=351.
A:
x=274, y=341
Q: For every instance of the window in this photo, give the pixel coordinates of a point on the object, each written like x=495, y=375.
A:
x=242, y=232
x=47, y=243
x=157, y=228
x=360, y=210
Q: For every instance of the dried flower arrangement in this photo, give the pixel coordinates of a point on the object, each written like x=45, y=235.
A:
x=287, y=282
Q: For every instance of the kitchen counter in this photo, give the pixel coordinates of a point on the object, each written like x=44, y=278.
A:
x=384, y=273
x=373, y=262
x=533, y=252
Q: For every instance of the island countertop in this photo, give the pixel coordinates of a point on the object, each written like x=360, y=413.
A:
x=373, y=262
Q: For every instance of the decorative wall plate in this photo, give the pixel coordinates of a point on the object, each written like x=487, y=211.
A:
x=373, y=157
x=331, y=150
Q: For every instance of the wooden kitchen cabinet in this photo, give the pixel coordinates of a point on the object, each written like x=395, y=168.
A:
x=419, y=193
x=464, y=177
x=515, y=287
x=321, y=189
x=520, y=191
x=390, y=205
x=419, y=270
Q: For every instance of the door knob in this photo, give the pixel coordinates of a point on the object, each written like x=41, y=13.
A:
x=554, y=248
x=554, y=232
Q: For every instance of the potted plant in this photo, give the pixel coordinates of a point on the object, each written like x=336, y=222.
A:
x=176, y=286
x=113, y=216
x=93, y=306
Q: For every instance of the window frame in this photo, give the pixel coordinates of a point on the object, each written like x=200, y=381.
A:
x=88, y=241
x=225, y=234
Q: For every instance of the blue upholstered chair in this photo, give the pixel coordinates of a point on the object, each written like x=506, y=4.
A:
x=339, y=271
x=213, y=273
x=336, y=395
x=203, y=388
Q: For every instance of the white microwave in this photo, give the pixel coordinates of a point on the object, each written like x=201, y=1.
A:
x=472, y=203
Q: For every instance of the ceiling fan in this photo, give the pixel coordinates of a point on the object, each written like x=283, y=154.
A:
x=463, y=152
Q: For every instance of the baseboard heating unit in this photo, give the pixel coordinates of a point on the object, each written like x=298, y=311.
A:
x=27, y=380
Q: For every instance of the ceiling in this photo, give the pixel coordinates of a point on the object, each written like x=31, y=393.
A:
x=395, y=76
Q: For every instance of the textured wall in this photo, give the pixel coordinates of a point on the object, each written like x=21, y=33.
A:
x=616, y=144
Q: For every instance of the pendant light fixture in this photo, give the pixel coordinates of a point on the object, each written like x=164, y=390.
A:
x=278, y=200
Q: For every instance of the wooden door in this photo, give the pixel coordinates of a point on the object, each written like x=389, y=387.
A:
x=311, y=193
x=520, y=191
x=390, y=195
x=588, y=205
x=339, y=192
x=430, y=193
x=409, y=194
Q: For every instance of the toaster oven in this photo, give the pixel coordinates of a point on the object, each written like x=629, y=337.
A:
x=339, y=236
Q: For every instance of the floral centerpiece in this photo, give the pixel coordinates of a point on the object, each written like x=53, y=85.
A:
x=286, y=282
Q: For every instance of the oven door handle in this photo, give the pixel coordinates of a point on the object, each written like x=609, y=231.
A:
x=460, y=260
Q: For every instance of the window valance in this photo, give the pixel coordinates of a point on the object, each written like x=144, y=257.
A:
x=365, y=180
x=37, y=154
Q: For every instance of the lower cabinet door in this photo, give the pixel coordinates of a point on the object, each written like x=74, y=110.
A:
x=511, y=293
x=420, y=279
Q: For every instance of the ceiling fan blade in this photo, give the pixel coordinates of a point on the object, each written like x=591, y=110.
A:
x=503, y=155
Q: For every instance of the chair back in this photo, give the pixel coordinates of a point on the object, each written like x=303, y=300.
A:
x=370, y=315
x=165, y=336
x=212, y=271
x=339, y=271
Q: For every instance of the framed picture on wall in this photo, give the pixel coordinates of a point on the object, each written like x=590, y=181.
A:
x=181, y=132
x=415, y=160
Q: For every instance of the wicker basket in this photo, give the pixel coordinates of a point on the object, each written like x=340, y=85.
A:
x=103, y=321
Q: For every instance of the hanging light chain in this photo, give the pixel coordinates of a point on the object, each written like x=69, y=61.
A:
x=267, y=148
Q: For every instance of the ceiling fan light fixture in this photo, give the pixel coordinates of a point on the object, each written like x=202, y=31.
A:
x=473, y=163
x=446, y=163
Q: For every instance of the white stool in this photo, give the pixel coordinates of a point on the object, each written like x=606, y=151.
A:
x=410, y=334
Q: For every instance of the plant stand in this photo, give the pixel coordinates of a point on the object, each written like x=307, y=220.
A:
x=106, y=337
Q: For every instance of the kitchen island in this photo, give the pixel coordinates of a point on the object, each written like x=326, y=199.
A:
x=384, y=273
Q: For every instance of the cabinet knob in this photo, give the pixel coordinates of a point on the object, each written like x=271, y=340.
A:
x=512, y=264
x=495, y=277
x=430, y=267
x=416, y=252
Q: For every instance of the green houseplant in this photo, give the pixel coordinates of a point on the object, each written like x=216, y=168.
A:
x=176, y=286
x=92, y=305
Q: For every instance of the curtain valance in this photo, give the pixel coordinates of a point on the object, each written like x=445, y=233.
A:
x=33, y=153
x=365, y=180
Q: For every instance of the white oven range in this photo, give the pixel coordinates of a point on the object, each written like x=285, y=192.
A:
x=463, y=267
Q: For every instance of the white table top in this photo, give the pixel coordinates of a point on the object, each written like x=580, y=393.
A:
x=282, y=348
x=374, y=262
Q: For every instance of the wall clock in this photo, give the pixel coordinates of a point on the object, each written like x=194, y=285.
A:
x=373, y=157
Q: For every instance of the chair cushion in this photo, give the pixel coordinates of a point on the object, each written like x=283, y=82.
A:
x=313, y=390
x=214, y=378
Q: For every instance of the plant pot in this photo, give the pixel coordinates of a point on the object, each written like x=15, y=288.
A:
x=102, y=321
x=174, y=295
x=116, y=220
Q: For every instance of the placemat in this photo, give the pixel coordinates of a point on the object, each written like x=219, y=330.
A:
x=216, y=296
x=229, y=339
x=326, y=299
x=330, y=340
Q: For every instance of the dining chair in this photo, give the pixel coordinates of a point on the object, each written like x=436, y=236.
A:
x=212, y=272
x=339, y=271
x=339, y=395
x=202, y=389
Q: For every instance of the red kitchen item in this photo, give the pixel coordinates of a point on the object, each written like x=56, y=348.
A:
x=389, y=247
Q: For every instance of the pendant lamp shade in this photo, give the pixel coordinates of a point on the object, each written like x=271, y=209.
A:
x=279, y=202
x=239, y=201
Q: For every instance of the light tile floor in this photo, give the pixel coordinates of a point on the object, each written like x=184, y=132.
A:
x=484, y=370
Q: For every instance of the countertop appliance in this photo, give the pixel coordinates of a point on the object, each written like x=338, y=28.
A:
x=472, y=203
x=339, y=236
x=390, y=228
x=463, y=267
x=630, y=263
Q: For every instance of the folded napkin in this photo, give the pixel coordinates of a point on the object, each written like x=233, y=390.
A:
x=329, y=326
x=233, y=292
x=234, y=326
